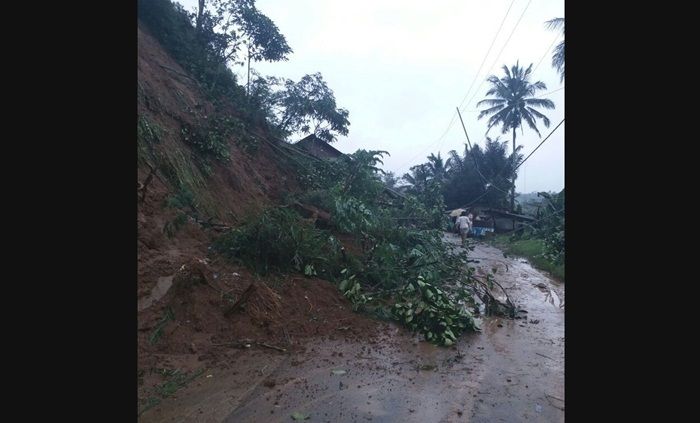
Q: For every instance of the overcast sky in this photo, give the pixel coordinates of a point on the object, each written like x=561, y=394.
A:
x=402, y=66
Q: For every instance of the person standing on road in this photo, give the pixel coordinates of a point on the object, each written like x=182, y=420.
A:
x=464, y=223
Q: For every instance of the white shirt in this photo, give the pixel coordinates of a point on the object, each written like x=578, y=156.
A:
x=463, y=222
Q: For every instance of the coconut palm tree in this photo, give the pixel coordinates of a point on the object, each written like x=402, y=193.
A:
x=455, y=162
x=514, y=101
x=437, y=167
x=558, y=55
x=417, y=178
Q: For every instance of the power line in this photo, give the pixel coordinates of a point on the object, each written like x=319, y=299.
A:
x=482, y=82
x=556, y=37
x=470, y=86
x=499, y=53
x=422, y=151
x=551, y=92
x=444, y=137
x=491, y=184
x=487, y=53
x=538, y=146
x=483, y=178
x=477, y=74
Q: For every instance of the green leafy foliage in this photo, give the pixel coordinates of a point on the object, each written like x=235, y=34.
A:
x=413, y=279
x=558, y=53
x=278, y=240
x=554, y=246
x=148, y=131
x=304, y=107
x=484, y=173
x=514, y=100
x=434, y=312
x=545, y=240
x=200, y=53
x=552, y=227
x=206, y=142
x=246, y=33
x=352, y=289
x=403, y=259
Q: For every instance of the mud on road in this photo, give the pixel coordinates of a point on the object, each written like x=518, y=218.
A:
x=510, y=372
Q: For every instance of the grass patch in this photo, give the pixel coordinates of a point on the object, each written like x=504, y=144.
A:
x=149, y=403
x=174, y=380
x=158, y=332
x=532, y=250
x=279, y=241
x=179, y=168
x=148, y=134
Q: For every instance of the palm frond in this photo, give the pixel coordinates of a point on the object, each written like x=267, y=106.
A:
x=492, y=102
x=489, y=111
x=539, y=115
x=527, y=116
x=555, y=23
x=496, y=119
x=507, y=71
x=499, y=117
x=537, y=86
x=558, y=60
x=540, y=102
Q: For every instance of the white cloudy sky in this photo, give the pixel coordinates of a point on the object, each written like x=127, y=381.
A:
x=402, y=66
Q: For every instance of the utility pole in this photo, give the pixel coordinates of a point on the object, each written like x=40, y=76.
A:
x=465, y=129
x=476, y=166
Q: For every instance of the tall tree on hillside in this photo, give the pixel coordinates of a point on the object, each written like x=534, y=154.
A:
x=300, y=108
x=558, y=55
x=263, y=39
x=200, y=16
x=245, y=28
x=514, y=101
x=309, y=106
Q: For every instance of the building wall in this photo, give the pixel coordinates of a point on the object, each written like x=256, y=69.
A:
x=504, y=224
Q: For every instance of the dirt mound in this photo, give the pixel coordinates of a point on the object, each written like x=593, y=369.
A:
x=196, y=309
x=194, y=325
x=212, y=307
